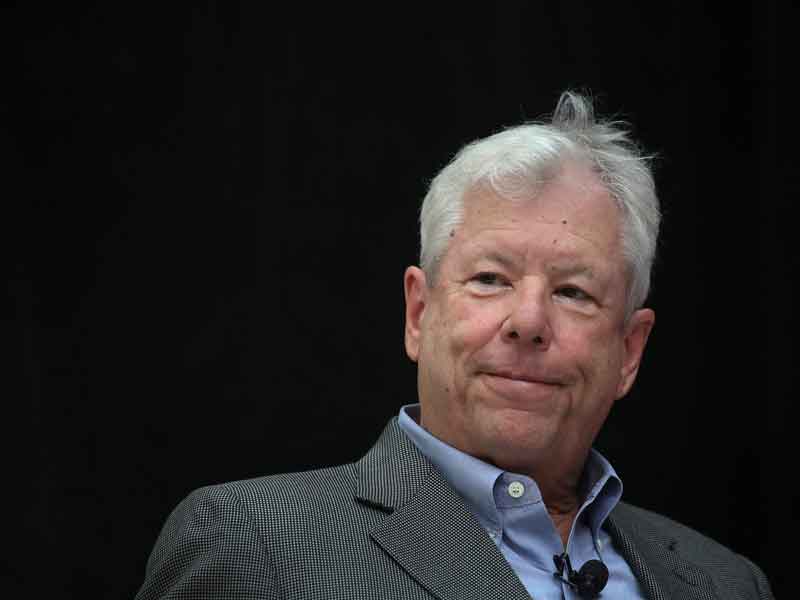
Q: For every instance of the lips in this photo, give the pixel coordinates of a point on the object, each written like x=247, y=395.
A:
x=524, y=377
x=520, y=390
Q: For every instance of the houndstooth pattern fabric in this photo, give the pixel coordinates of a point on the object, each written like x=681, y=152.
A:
x=389, y=526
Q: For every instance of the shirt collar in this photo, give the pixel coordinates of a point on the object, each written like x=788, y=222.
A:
x=474, y=479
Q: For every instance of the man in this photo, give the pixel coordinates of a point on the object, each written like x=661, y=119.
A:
x=527, y=323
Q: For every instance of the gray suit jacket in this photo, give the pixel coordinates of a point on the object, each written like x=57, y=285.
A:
x=389, y=526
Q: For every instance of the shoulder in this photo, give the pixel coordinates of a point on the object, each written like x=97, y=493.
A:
x=668, y=536
x=282, y=494
x=255, y=509
x=226, y=539
x=648, y=522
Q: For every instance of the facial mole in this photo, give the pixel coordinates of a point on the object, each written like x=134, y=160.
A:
x=452, y=232
x=564, y=222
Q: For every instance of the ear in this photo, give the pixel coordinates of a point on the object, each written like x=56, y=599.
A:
x=416, y=290
x=637, y=330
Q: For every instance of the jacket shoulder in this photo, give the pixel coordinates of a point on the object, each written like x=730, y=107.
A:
x=723, y=564
x=645, y=520
x=223, y=540
x=304, y=488
x=293, y=501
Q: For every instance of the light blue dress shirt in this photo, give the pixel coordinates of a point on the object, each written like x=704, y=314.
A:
x=510, y=508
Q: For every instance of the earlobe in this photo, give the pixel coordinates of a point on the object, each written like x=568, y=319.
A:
x=415, y=287
x=637, y=331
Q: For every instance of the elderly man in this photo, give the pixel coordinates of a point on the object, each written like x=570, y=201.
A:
x=527, y=323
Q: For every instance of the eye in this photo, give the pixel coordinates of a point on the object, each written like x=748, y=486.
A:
x=573, y=293
x=487, y=278
x=486, y=283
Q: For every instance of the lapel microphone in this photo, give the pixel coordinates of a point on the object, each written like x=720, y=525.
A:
x=588, y=581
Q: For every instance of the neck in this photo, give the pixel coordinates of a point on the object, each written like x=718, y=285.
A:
x=563, y=516
x=560, y=493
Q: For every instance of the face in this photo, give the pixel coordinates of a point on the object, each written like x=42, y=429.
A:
x=522, y=344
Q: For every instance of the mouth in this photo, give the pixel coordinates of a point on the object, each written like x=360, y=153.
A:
x=523, y=378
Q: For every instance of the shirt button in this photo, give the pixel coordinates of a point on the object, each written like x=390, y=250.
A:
x=516, y=489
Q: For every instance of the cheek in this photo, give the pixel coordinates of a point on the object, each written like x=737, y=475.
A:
x=595, y=351
x=471, y=327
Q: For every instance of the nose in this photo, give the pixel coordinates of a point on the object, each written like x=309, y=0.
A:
x=528, y=320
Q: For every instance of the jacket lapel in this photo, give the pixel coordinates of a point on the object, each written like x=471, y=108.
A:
x=655, y=559
x=430, y=532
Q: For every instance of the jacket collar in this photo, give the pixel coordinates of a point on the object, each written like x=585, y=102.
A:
x=430, y=532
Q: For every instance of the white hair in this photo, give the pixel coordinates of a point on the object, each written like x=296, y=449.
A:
x=519, y=161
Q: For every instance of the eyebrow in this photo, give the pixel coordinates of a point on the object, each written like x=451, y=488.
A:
x=562, y=268
x=572, y=269
x=501, y=259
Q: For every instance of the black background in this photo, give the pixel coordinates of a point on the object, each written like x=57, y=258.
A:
x=209, y=208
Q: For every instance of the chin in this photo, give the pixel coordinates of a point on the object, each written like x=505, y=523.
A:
x=509, y=435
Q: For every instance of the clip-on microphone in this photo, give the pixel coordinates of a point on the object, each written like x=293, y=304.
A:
x=588, y=581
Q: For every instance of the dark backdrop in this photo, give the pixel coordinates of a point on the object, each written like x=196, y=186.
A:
x=208, y=211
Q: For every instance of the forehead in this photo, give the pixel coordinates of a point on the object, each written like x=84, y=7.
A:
x=572, y=213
